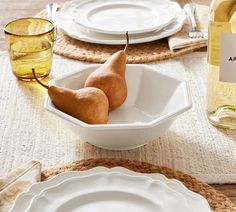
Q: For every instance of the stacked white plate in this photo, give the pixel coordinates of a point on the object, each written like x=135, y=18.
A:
x=106, y=21
x=117, y=189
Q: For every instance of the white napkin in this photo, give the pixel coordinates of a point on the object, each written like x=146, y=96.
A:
x=182, y=40
x=18, y=181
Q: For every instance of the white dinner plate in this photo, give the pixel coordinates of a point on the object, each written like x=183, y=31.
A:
x=117, y=16
x=187, y=199
x=109, y=191
x=65, y=22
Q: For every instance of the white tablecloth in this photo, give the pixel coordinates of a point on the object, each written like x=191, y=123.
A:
x=192, y=145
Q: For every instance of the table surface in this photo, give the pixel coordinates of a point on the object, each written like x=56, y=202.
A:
x=12, y=9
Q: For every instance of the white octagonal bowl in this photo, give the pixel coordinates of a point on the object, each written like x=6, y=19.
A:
x=154, y=101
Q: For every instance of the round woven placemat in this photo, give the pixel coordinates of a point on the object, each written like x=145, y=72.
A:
x=97, y=53
x=217, y=201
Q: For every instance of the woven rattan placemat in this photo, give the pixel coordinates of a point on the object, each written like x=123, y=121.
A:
x=97, y=53
x=217, y=201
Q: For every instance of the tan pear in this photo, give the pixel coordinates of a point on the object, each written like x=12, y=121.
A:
x=89, y=105
x=110, y=78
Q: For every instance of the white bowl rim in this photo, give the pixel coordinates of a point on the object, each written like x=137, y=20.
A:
x=162, y=119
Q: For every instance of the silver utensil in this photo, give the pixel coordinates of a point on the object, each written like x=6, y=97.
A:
x=190, y=9
x=51, y=10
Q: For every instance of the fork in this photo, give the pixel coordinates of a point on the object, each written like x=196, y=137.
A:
x=194, y=33
x=51, y=10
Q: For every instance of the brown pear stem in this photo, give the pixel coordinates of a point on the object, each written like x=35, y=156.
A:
x=127, y=42
x=36, y=78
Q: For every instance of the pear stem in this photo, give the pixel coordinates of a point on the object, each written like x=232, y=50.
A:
x=127, y=42
x=36, y=78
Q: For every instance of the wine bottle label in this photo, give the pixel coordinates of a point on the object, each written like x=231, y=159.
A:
x=215, y=29
x=228, y=57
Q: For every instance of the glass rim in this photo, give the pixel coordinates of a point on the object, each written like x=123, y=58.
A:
x=43, y=33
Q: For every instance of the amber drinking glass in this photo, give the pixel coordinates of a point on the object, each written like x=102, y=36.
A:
x=30, y=45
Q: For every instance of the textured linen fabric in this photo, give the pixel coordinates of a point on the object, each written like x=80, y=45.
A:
x=192, y=145
x=17, y=181
x=182, y=40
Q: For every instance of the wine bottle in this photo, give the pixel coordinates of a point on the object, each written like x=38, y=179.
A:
x=221, y=87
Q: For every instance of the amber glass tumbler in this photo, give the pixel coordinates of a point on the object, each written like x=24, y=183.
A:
x=30, y=45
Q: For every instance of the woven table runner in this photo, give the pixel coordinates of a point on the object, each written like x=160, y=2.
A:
x=192, y=145
x=97, y=53
x=217, y=201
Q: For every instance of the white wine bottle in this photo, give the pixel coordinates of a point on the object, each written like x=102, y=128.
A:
x=221, y=88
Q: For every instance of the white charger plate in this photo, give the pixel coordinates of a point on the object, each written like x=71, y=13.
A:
x=194, y=201
x=65, y=22
x=117, y=17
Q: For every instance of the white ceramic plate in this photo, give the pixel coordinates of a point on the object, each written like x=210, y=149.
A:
x=117, y=17
x=197, y=202
x=106, y=192
x=65, y=22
